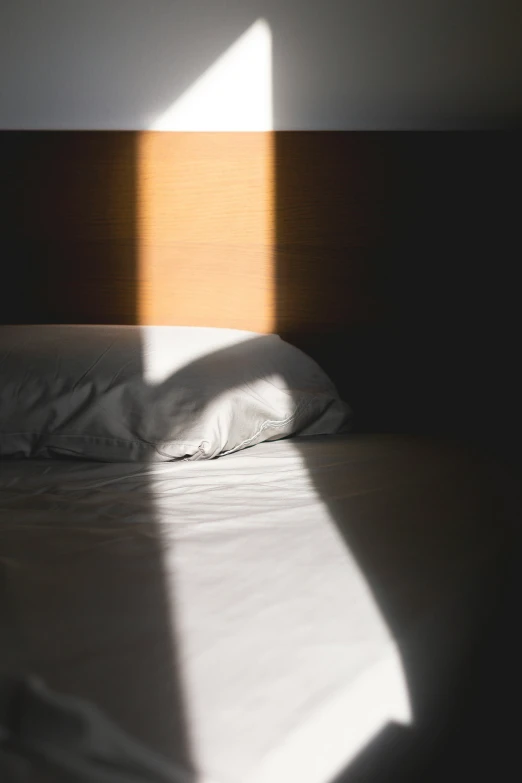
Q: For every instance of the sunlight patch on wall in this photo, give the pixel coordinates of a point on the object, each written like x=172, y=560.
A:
x=234, y=94
x=205, y=200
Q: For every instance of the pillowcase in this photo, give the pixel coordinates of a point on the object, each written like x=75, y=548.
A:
x=129, y=393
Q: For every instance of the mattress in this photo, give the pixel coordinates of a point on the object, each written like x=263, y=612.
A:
x=265, y=617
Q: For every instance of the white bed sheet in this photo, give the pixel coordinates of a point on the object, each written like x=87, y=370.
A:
x=259, y=618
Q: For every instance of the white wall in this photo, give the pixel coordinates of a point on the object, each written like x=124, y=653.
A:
x=346, y=64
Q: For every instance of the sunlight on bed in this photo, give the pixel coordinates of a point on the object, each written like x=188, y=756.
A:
x=286, y=664
x=159, y=362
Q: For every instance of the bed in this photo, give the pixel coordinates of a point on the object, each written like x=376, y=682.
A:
x=298, y=609
x=258, y=617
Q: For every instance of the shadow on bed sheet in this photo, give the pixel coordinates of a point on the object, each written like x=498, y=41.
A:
x=431, y=331
x=459, y=683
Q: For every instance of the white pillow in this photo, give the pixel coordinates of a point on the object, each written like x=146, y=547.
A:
x=128, y=393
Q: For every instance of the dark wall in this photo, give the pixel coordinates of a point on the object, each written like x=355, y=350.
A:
x=439, y=347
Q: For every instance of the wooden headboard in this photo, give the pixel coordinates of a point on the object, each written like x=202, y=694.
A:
x=256, y=231
x=384, y=255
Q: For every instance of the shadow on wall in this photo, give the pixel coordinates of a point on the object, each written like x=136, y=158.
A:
x=68, y=206
x=407, y=243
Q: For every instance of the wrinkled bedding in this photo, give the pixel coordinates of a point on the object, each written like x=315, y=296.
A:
x=259, y=618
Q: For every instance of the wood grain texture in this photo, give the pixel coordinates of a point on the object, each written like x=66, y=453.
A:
x=69, y=227
x=331, y=215
x=256, y=231
x=205, y=229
